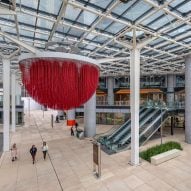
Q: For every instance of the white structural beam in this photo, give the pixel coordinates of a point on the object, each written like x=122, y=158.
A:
x=6, y=103
x=111, y=59
x=4, y=11
x=101, y=17
x=13, y=102
x=24, y=45
x=60, y=15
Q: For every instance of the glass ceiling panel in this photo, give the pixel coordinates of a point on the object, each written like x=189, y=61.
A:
x=26, y=33
x=27, y=19
x=179, y=30
x=137, y=10
x=188, y=40
x=159, y=23
x=153, y=17
x=185, y=8
x=115, y=28
x=104, y=23
x=87, y=18
x=90, y=36
x=101, y=3
x=50, y=6
x=8, y=17
x=75, y=32
x=32, y=4
x=62, y=29
x=9, y=29
x=75, y=12
x=41, y=36
x=122, y=7
x=175, y=3
x=44, y=23
x=100, y=39
x=90, y=47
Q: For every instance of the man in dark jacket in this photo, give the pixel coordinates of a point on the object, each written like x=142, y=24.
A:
x=33, y=151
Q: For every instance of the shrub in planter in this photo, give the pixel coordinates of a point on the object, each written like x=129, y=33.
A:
x=158, y=149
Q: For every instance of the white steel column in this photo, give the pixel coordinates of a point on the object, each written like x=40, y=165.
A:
x=110, y=94
x=170, y=90
x=13, y=102
x=60, y=113
x=134, y=103
x=90, y=117
x=71, y=117
x=6, y=103
x=188, y=99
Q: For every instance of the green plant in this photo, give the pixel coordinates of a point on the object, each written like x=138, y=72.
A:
x=147, y=154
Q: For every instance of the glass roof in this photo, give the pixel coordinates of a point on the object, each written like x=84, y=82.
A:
x=104, y=29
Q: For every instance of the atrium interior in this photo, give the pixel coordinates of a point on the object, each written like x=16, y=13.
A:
x=101, y=88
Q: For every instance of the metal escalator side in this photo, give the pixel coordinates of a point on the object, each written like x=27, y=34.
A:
x=123, y=126
x=126, y=131
x=151, y=129
x=126, y=139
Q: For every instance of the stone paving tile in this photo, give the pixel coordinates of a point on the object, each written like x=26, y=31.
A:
x=69, y=163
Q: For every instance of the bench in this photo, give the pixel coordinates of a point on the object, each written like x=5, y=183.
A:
x=160, y=158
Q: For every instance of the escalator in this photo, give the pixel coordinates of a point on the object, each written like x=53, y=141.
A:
x=150, y=121
x=104, y=140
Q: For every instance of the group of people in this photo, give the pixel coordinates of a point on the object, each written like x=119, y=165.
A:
x=33, y=151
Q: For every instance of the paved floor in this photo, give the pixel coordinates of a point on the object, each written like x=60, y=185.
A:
x=69, y=164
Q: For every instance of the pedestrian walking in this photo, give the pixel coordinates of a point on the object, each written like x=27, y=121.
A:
x=72, y=131
x=33, y=152
x=44, y=149
x=14, y=152
x=76, y=126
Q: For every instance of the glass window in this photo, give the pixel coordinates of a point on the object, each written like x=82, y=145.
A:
x=115, y=27
x=185, y=8
x=75, y=12
x=41, y=36
x=87, y=18
x=101, y=3
x=50, y=6
x=44, y=23
x=137, y=10
x=122, y=7
x=104, y=23
x=153, y=17
x=32, y=4
x=26, y=19
x=26, y=33
x=179, y=30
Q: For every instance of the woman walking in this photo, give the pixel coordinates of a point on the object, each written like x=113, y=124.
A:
x=44, y=149
x=14, y=152
x=33, y=152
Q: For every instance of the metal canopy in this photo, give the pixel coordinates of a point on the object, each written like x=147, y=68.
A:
x=102, y=29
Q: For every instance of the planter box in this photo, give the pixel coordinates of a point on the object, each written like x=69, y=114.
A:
x=160, y=158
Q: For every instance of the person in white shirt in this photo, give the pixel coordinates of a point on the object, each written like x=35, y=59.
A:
x=44, y=149
x=14, y=152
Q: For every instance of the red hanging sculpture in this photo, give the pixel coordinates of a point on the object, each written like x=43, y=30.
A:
x=59, y=83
